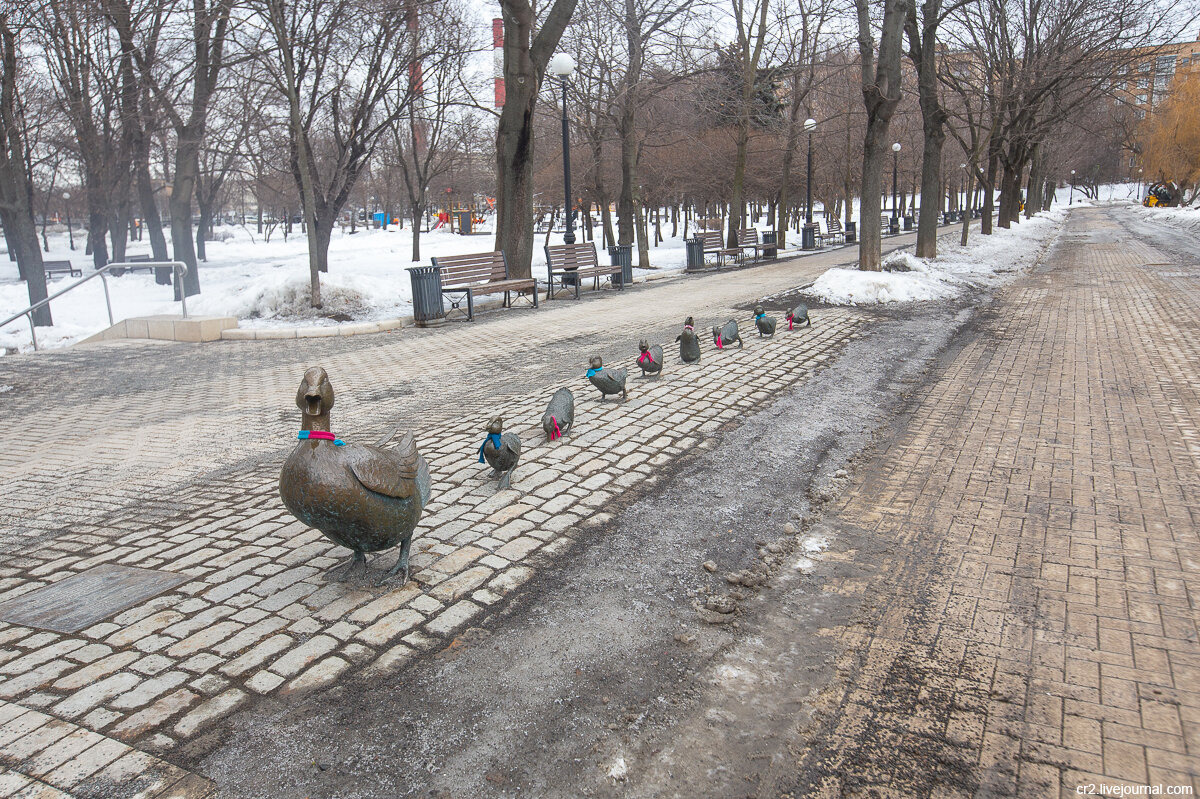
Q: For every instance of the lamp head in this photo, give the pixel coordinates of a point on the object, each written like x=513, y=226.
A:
x=1072, y=171
x=896, y=147
x=67, y=194
x=962, y=166
x=562, y=65
x=810, y=125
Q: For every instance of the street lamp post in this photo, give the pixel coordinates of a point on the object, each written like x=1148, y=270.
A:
x=562, y=65
x=1139, y=194
x=895, y=183
x=1071, y=194
x=67, y=204
x=809, y=236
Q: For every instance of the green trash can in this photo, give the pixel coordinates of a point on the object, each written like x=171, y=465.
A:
x=694, y=250
x=427, y=295
x=622, y=254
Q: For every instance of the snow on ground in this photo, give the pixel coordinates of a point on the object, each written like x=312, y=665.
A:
x=985, y=261
x=1186, y=217
x=264, y=283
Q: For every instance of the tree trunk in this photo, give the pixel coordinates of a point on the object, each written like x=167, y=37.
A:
x=187, y=166
x=737, y=206
x=417, y=210
x=966, y=220
x=643, y=235
x=525, y=59
x=988, y=192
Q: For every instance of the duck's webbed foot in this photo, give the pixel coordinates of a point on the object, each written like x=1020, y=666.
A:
x=504, y=481
x=347, y=566
x=401, y=563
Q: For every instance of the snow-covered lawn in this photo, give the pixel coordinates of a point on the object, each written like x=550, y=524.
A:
x=264, y=283
x=985, y=261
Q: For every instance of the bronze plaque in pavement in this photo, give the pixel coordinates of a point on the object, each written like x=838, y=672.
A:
x=86, y=598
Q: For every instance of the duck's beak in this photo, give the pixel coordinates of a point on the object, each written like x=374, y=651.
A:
x=313, y=405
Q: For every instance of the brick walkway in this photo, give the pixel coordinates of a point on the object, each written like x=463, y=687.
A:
x=166, y=457
x=1035, y=629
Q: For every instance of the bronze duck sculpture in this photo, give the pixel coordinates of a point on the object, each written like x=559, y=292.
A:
x=764, y=323
x=650, y=361
x=359, y=496
x=501, y=451
x=798, y=316
x=689, y=342
x=726, y=334
x=559, y=415
x=607, y=381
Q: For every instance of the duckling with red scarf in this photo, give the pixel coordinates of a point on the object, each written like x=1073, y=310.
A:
x=798, y=316
x=651, y=359
x=361, y=497
x=726, y=334
x=559, y=415
x=764, y=323
x=607, y=381
x=501, y=451
x=689, y=342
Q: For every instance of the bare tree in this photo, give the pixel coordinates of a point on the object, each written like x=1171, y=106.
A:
x=881, y=95
x=16, y=190
x=526, y=56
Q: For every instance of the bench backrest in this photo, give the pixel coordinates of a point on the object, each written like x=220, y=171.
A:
x=748, y=238
x=476, y=267
x=833, y=225
x=713, y=240
x=139, y=259
x=580, y=255
x=57, y=266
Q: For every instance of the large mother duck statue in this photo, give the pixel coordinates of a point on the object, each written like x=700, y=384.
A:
x=362, y=497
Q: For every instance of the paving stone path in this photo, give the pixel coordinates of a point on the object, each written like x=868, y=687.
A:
x=166, y=457
x=1034, y=631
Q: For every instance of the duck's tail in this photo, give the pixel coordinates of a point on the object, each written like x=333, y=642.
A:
x=424, y=481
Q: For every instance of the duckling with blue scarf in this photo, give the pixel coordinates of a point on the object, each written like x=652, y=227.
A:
x=501, y=451
x=764, y=323
x=608, y=381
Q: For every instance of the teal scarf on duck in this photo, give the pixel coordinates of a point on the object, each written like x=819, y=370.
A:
x=492, y=437
x=594, y=372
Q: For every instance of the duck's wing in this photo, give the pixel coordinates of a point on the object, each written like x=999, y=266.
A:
x=510, y=447
x=398, y=472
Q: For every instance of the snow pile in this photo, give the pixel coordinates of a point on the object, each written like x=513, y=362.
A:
x=985, y=261
x=1186, y=217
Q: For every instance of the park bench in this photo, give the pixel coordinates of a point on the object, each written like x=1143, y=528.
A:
x=133, y=259
x=713, y=243
x=748, y=240
x=571, y=263
x=61, y=268
x=480, y=273
x=834, y=232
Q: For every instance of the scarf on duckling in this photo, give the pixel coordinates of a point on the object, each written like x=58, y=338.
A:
x=320, y=435
x=492, y=437
x=555, y=433
x=594, y=372
x=644, y=356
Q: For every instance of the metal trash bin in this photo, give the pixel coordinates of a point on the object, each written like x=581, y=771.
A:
x=908, y=222
x=694, y=250
x=427, y=295
x=464, y=222
x=851, y=232
x=770, y=237
x=894, y=225
x=622, y=254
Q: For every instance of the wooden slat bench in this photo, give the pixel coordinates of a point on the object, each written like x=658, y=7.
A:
x=834, y=231
x=480, y=273
x=748, y=240
x=61, y=268
x=713, y=243
x=569, y=264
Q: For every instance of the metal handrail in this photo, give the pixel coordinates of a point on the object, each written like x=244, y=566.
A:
x=180, y=270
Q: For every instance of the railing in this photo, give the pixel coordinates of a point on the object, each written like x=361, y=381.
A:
x=179, y=267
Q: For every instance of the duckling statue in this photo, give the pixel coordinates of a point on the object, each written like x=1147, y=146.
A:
x=798, y=316
x=559, y=415
x=764, y=323
x=651, y=359
x=689, y=342
x=608, y=381
x=501, y=451
x=361, y=497
x=726, y=334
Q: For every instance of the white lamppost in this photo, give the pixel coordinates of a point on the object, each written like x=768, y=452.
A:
x=67, y=204
x=809, y=241
x=1071, y=195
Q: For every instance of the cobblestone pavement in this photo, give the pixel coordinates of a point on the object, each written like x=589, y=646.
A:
x=166, y=457
x=1033, y=629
